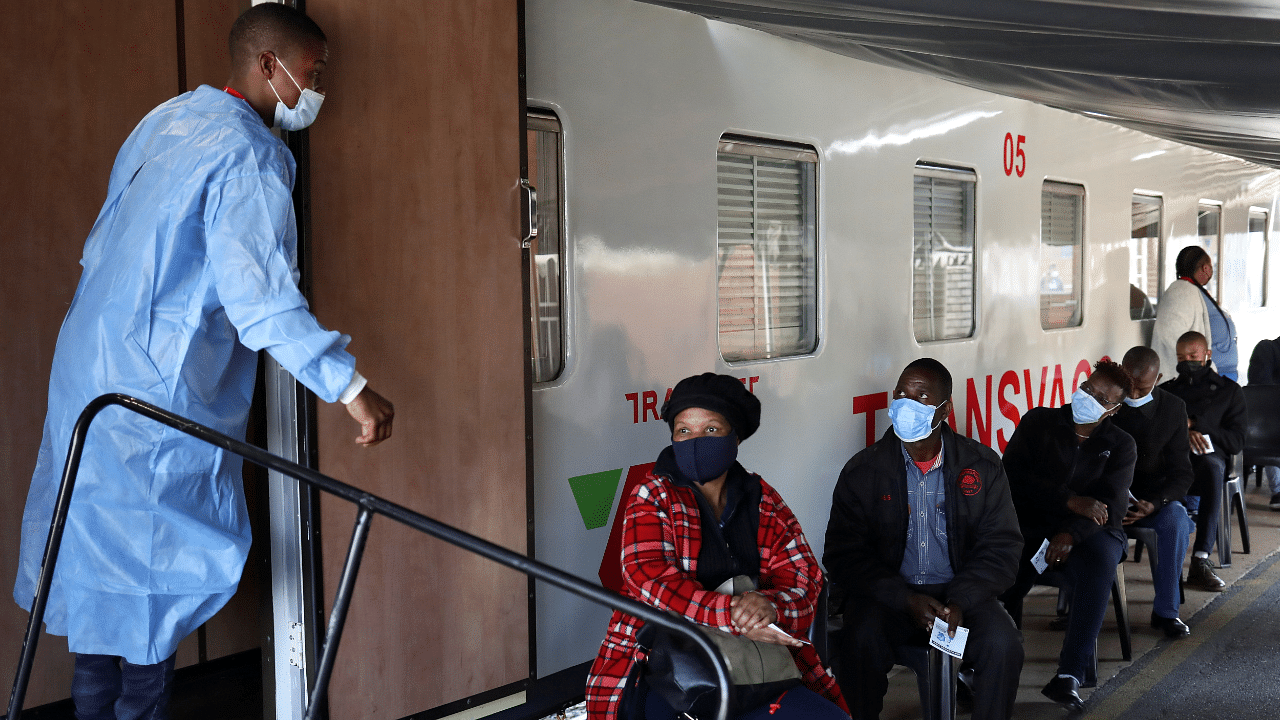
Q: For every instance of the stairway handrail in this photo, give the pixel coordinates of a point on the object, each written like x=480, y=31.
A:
x=369, y=505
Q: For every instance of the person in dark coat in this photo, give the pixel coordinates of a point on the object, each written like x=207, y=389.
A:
x=1216, y=420
x=1157, y=421
x=945, y=498
x=1069, y=472
x=1264, y=369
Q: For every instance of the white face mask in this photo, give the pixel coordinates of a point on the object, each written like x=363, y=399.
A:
x=303, y=113
x=1139, y=402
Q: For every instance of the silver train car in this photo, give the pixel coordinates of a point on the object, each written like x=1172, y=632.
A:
x=716, y=198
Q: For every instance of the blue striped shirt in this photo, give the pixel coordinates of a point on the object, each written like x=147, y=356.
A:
x=927, y=560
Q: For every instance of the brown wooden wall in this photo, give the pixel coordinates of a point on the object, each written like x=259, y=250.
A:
x=415, y=165
x=78, y=77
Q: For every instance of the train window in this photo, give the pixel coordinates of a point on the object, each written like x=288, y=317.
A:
x=1209, y=228
x=1144, y=256
x=1208, y=236
x=1061, y=254
x=1256, y=267
x=547, y=252
x=766, y=242
x=942, y=255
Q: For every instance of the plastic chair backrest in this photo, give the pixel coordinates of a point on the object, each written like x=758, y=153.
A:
x=1262, y=434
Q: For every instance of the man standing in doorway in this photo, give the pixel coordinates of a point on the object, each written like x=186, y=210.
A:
x=189, y=270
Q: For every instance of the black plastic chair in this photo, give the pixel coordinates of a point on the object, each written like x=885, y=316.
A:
x=1119, y=602
x=1232, y=499
x=936, y=672
x=936, y=677
x=819, y=631
x=1262, y=431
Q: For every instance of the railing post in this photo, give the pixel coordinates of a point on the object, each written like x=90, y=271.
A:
x=51, y=546
x=338, y=617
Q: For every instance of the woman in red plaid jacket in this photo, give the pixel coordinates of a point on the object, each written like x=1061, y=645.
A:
x=697, y=521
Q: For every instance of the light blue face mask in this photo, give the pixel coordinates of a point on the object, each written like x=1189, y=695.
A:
x=1139, y=402
x=303, y=113
x=1085, y=410
x=912, y=420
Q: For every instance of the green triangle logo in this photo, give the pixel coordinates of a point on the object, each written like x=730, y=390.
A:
x=594, y=495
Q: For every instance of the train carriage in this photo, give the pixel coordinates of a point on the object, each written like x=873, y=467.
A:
x=724, y=199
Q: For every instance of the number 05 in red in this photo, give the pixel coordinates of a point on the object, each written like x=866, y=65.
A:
x=1015, y=159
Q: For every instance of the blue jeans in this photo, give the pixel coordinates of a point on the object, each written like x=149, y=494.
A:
x=106, y=687
x=1272, y=474
x=1173, y=533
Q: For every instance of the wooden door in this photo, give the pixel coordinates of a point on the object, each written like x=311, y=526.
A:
x=415, y=252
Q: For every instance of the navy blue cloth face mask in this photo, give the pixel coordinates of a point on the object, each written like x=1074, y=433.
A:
x=703, y=459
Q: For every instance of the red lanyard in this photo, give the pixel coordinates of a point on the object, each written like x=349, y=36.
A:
x=233, y=91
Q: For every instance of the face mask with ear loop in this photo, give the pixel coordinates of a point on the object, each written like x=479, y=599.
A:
x=1139, y=402
x=303, y=113
x=912, y=420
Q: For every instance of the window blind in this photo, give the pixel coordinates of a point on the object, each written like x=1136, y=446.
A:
x=765, y=243
x=942, y=258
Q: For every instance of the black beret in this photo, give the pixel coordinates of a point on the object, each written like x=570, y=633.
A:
x=724, y=394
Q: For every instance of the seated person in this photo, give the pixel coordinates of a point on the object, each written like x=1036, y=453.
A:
x=1157, y=421
x=1264, y=369
x=1216, y=419
x=922, y=527
x=698, y=488
x=1069, y=472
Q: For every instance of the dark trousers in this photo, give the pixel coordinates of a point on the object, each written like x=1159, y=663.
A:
x=106, y=687
x=1211, y=473
x=798, y=703
x=872, y=631
x=1090, y=569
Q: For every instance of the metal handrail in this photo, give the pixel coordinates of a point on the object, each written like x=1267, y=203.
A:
x=369, y=505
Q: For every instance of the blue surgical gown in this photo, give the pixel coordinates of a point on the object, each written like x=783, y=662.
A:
x=188, y=271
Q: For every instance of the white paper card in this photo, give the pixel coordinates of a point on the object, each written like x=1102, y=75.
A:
x=1207, y=442
x=1038, y=561
x=774, y=627
x=953, y=646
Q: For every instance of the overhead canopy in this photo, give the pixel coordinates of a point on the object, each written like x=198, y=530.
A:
x=1201, y=72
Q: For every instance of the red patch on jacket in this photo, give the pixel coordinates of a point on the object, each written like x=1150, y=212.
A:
x=970, y=483
x=886, y=498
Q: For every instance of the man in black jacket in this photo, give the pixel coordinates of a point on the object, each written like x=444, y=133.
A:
x=1069, y=474
x=1216, y=419
x=1157, y=421
x=1264, y=369
x=945, y=498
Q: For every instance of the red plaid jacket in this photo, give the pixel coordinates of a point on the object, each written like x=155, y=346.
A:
x=661, y=537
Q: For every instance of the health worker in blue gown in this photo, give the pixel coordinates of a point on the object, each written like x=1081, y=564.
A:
x=189, y=270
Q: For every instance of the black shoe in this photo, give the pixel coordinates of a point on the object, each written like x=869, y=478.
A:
x=1275, y=501
x=1201, y=575
x=1172, y=627
x=1063, y=690
x=1059, y=623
